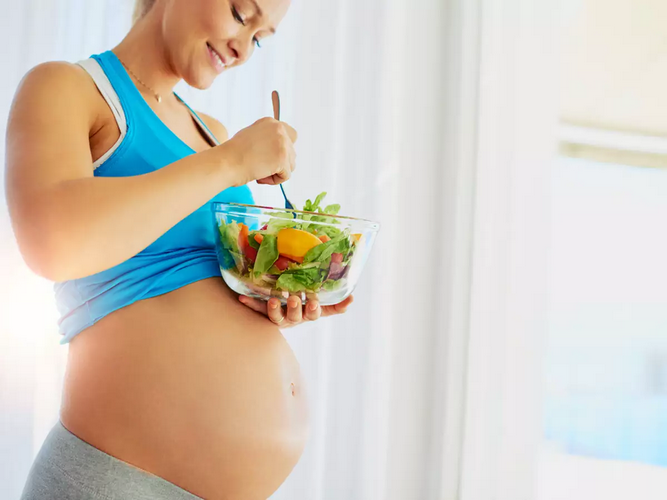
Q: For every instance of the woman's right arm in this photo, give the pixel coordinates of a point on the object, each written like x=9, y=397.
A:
x=70, y=224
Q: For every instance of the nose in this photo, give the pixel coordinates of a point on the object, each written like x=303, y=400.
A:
x=241, y=49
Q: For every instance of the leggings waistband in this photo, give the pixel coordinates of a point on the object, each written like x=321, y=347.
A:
x=68, y=467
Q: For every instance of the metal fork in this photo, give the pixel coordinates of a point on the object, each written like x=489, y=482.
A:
x=276, y=114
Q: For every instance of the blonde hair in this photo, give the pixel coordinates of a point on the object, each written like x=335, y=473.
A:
x=141, y=7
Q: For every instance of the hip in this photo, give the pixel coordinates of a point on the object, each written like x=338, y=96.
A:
x=67, y=467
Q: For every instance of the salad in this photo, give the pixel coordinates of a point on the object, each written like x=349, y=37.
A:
x=292, y=252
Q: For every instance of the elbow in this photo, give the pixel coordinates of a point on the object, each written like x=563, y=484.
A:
x=48, y=255
x=47, y=242
x=46, y=262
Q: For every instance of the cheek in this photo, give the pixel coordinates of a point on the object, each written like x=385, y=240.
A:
x=221, y=28
x=189, y=22
x=217, y=18
x=181, y=27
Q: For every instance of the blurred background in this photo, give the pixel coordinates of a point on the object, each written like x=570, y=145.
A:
x=509, y=337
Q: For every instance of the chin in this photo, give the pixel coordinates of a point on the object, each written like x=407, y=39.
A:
x=201, y=85
x=201, y=79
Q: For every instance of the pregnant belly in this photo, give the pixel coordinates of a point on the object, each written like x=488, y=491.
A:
x=191, y=386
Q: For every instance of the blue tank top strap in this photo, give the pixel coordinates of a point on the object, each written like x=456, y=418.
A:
x=123, y=87
x=211, y=136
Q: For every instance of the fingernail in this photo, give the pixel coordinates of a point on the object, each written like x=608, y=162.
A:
x=312, y=307
x=274, y=306
x=294, y=305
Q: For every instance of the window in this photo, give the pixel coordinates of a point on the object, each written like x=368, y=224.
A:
x=605, y=408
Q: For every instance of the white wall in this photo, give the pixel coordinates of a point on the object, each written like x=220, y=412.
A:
x=615, y=65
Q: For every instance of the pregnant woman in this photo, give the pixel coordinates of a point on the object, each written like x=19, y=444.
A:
x=175, y=387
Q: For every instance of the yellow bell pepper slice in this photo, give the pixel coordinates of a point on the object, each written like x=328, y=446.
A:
x=295, y=243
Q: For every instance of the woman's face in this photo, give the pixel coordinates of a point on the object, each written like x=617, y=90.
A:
x=206, y=37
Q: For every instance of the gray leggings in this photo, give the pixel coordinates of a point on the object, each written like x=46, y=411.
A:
x=68, y=468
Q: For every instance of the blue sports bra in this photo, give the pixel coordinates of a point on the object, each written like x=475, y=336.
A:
x=184, y=254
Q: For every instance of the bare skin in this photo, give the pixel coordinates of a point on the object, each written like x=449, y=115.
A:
x=197, y=386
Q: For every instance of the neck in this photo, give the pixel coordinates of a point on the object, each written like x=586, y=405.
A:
x=143, y=51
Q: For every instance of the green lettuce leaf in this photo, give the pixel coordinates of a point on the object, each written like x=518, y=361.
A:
x=267, y=254
x=303, y=277
x=332, y=209
x=290, y=283
x=331, y=231
x=252, y=241
x=318, y=200
x=276, y=224
x=229, y=239
x=333, y=285
x=281, y=215
x=339, y=244
x=308, y=276
x=274, y=270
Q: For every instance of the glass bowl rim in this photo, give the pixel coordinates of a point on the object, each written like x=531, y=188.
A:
x=374, y=225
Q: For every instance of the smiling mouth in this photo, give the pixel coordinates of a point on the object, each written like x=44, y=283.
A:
x=217, y=58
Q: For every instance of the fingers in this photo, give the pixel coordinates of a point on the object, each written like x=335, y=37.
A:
x=338, y=308
x=295, y=313
x=291, y=133
x=254, y=304
x=267, y=180
x=275, y=312
x=342, y=307
x=282, y=175
x=313, y=310
x=294, y=309
x=292, y=160
x=286, y=159
x=289, y=163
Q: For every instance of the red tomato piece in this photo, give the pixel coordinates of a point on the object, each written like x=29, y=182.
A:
x=251, y=254
x=283, y=262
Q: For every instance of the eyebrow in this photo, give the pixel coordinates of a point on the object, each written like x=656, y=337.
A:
x=259, y=12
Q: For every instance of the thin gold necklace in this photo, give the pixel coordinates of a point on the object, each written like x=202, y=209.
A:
x=158, y=97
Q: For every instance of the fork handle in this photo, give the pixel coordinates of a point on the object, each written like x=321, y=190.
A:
x=276, y=104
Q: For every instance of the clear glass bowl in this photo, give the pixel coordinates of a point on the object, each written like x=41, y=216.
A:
x=267, y=252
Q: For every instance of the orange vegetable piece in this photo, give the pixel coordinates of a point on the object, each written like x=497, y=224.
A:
x=295, y=243
x=243, y=237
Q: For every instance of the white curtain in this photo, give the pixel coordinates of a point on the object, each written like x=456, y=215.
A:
x=433, y=117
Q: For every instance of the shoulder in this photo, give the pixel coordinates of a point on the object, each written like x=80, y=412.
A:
x=218, y=129
x=56, y=85
x=55, y=77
